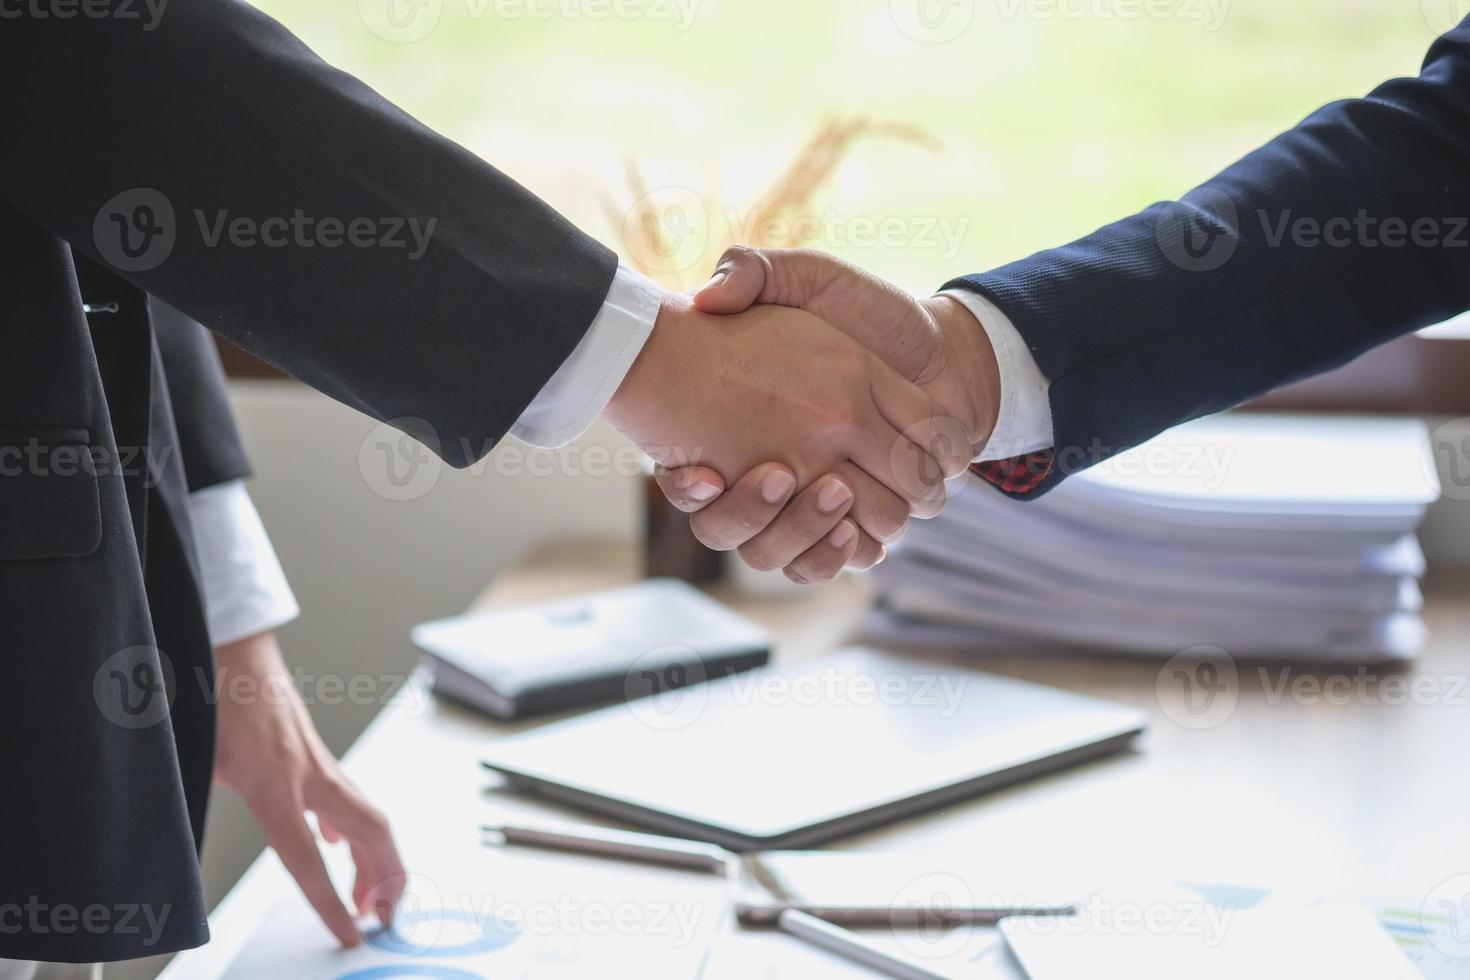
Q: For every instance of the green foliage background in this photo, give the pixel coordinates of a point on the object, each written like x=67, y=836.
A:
x=1051, y=125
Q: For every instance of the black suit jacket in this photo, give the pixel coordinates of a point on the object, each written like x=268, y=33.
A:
x=131, y=159
x=1347, y=231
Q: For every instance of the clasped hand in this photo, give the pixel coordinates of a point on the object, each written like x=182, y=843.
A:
x=841, y=404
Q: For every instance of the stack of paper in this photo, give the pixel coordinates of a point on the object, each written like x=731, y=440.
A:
x=1258, y=534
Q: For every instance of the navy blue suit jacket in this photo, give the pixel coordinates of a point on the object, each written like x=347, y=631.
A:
x=1341, y=234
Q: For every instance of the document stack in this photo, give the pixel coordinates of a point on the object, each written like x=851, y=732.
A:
x=1267, y=536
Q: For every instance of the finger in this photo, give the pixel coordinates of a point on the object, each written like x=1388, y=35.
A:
x=746, y=509
x=380, y=876
x=880, y=513
x=909, y=410
x=809, y=518
x=287, y=831
x=868, y=553
x=823, y=560
x=899, y=464
x=689, y=488
x=800, y=277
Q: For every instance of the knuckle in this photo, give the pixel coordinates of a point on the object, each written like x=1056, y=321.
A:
x=710, y=531
x=815, y=571
x=757, y=557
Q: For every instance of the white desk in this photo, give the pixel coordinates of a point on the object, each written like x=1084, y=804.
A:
x=1362, y=799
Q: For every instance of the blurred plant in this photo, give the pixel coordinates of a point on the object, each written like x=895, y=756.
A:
x=674, y=235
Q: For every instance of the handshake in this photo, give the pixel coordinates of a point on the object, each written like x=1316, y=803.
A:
x=837, y=402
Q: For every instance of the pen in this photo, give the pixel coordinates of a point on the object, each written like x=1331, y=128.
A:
x=647, y=848
x=843, y=942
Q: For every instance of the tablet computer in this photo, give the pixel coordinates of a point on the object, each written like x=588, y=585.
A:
x=795, y=756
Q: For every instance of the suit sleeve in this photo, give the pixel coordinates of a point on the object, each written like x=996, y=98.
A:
x=1341, y=234
x=387, y=266
x=209, y=440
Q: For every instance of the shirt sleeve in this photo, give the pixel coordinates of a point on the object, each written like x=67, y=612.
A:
x=245, y=590
x=586, y=381
x=1023, y=425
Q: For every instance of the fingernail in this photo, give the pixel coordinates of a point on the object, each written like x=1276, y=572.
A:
x=842, y=534
x=715, y=279
x=776, y=486
x=702, y=490
x=834, y=494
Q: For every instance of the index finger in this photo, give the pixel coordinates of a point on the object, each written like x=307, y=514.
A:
x=287, y=831
x=689, y=488
x=746, y=509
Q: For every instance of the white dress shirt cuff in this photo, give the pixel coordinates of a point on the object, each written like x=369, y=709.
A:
x=586, y=381
x=245, y=590
x=1024, y=422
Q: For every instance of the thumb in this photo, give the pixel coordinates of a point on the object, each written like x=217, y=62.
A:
x=737, y=282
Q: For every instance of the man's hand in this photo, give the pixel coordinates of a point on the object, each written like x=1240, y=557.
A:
x=935, y=342
x=778, y=384
x=268, y=751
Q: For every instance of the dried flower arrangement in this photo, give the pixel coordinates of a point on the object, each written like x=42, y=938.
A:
x=671, y=238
